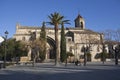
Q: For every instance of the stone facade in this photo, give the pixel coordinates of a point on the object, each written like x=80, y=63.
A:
x=76, y=38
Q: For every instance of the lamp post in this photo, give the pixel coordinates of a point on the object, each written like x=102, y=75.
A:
x=85, y=57
x=117, y=48
x=6, y=33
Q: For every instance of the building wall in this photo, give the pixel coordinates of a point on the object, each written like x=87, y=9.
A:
x=80, y=39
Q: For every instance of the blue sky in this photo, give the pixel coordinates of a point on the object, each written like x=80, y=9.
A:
x=99, y=15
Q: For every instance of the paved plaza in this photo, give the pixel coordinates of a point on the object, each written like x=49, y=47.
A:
x=47, y=71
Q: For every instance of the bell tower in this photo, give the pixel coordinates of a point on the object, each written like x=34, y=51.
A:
x=79, y=22
x=17, y=26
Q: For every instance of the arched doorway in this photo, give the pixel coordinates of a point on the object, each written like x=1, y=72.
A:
x=51, y=50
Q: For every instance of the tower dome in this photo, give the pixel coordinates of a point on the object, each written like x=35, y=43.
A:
x=79, y=22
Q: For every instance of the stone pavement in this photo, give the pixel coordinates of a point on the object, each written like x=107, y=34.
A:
x=47, y=71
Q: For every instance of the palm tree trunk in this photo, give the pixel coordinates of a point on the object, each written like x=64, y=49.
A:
x=56, y=46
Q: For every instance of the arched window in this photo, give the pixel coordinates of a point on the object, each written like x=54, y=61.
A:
x=81, y=25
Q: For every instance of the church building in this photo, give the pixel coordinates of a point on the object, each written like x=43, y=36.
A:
x=77, y=38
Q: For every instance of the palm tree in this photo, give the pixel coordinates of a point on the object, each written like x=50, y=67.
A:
x=56, y=19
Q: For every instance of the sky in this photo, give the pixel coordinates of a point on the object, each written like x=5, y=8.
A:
x=99, y=15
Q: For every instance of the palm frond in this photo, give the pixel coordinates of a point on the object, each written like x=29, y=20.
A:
x=66, y=21
x=60, y=18
x=49, y=17
x=49, y=23
x=56, y=18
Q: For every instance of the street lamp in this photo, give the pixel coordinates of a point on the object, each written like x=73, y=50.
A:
x=117, y=51
x=6, y=33
x=85, y=57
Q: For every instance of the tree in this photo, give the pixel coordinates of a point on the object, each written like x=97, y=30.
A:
x=56, y=19
x=63, y=45
x=108, y=35
x=43, y=39
x=89, y=39
x=112, y=39
x=20, y=49
x=14, y=49
x=34, y=47
x=103, y=48
x=117, y=48
x=116, y=35
x=43, y=32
